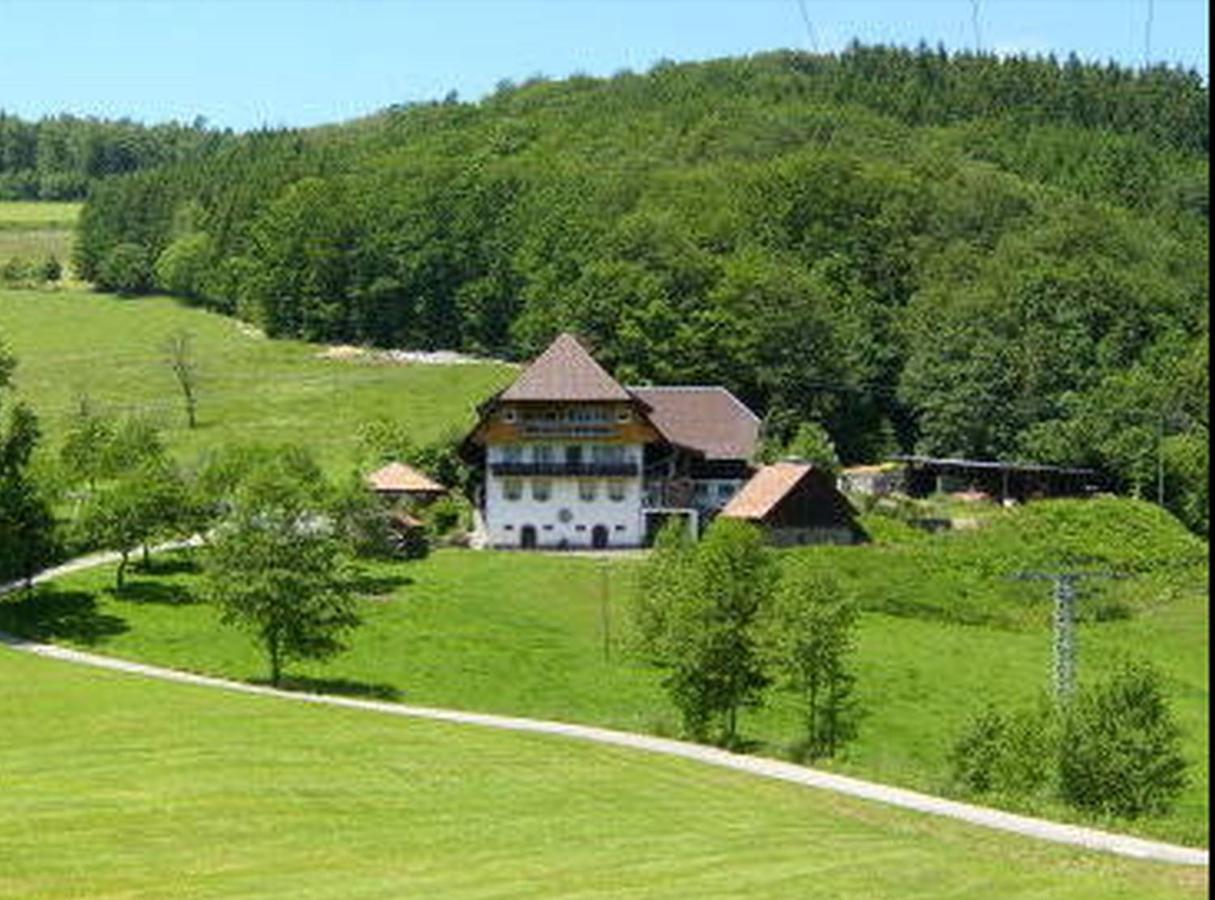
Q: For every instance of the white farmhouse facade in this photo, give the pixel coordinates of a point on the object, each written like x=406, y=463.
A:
x=572, y=459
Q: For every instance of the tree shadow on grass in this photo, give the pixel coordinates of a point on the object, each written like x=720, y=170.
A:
x=153, y=592
x=177, y=564
x=344, y=686
x=378, y=585
x=48, y=614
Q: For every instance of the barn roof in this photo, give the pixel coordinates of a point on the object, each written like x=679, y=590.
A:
x=565, y=371
x=399, y=477
x=708, y=419
x=766, y=488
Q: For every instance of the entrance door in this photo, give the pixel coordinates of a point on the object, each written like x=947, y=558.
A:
x=527, y=537
x=599, y=537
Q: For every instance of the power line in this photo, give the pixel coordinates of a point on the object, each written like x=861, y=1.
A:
x=1147, y=34
x=801, y=5
x=974, y=23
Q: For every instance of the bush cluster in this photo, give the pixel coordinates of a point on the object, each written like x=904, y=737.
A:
x=1113, y=749
x=19, y=271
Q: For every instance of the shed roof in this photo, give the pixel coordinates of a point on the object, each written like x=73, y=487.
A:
x=708, y=419
x=565, y=371
x=939, y=462
x=399, y=477
x=766, y=488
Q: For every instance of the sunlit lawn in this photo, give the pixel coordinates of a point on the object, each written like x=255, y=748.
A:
x=117, y=786
x=547, y=636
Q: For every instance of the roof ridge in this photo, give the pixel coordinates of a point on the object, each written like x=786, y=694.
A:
x=565, y=371
x=696, y=387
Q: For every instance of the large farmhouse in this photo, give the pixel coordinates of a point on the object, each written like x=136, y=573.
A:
x=572, y=458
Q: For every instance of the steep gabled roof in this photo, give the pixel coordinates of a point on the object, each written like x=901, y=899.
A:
x=565, y=371
x=708, y=419
x=765, y=490
x=400, y=477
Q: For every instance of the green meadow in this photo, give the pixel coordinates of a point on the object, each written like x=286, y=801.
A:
x=547, y=636
x=72, y=344
x=115, y=786
x=34, y=231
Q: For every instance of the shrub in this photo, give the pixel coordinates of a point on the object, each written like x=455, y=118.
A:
x=50, y=269
x=1122, y=751
x=444, y=516
x=1008, y=753
x=14, y=271
x=126, y=270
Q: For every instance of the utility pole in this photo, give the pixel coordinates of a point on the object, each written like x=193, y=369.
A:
x=1063, y=658
x=1160, y=461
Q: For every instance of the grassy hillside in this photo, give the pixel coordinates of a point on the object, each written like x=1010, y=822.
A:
x=72, y=343
x=525, y=634
x=115, y=786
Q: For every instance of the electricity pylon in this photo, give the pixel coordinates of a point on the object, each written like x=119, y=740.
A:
x=1065, y=591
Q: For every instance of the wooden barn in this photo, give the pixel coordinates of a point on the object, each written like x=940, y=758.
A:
x=796, y=503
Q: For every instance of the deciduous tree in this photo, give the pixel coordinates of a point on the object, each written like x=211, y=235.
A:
x=809, y=637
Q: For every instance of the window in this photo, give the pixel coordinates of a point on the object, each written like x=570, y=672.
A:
x=542, y=453
x=512, y=489
x=542, y=489
x=586, y=491
x=617, y=490
x=587, y=414
x=623, y=415
x=508, y=415
x=607, y=453
x=724, y=489
x=512, y=453
x=619, y=527
x=702, y=490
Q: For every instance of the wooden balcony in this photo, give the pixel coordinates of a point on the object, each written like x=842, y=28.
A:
x=565, y=469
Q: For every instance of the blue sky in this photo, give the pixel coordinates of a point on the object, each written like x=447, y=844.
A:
x=285, y=62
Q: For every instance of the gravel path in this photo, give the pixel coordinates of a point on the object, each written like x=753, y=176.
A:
x=1075, y=835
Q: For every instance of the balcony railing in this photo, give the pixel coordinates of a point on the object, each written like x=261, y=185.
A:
x=543, y=428
x=566, y=469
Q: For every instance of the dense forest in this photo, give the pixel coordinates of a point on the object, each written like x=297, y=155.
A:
x=57, y=158
x=958, y=254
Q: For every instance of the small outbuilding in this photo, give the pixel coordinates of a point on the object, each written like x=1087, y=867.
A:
x=398, y=482
x=796, y=503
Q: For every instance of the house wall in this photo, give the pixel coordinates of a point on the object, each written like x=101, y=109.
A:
x=505, y=519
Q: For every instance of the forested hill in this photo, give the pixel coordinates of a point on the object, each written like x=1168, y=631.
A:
x=999, y=258
x=58, y=157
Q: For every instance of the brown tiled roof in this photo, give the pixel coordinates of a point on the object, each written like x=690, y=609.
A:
x=708, y=419
x=766, y=488
x=565, y=371
x=400, y=477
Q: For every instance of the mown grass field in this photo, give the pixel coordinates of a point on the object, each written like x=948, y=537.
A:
x=118, y=786
x=73, y=343
x=526, y=634
x=36, y=230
